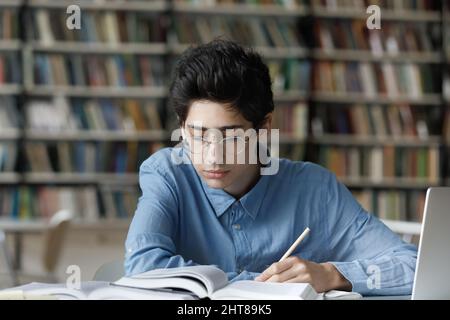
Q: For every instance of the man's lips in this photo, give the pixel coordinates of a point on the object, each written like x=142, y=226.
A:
x=215, y=174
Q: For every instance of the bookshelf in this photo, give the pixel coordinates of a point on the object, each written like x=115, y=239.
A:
x=328, y=74
x=10, y=91
x=90, y=96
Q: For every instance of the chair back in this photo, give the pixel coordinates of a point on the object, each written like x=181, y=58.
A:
x=54, y=239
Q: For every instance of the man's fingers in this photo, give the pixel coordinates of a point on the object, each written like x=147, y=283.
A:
x=284, y=276
x=300, y=278
x=276, y=268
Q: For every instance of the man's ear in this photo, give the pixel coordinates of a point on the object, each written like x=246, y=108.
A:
x=183, y=135
x=267, y=122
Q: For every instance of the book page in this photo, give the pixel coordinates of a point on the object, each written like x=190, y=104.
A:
x=61, y=291
x=123, y=293
x=248, y=289
x=201, y=280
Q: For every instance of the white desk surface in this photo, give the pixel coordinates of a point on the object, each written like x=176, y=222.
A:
x=387, y=298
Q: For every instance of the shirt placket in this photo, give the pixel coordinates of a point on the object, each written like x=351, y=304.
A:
x=237, y=226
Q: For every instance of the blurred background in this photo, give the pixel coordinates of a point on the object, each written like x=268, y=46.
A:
x=80, y=109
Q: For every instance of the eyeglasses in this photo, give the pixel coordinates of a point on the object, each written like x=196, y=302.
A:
x=232, y=145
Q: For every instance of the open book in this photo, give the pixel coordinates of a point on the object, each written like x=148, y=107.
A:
x=207, y=281
x=91, y=290
x=185, y=283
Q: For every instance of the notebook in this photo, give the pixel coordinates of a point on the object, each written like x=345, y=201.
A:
x=207, y=281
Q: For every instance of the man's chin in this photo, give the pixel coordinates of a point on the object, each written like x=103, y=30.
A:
x=216, y=184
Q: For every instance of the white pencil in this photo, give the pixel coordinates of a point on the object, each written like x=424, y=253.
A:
x=295, y=244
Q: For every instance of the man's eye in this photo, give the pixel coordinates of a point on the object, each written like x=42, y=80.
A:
x=232, y=139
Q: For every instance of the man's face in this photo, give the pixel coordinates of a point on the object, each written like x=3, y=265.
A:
x=211, y=122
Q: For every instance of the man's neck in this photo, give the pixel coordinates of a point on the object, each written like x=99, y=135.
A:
x=250, y=180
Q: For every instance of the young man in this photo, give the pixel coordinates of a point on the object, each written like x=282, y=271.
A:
x=211, y=211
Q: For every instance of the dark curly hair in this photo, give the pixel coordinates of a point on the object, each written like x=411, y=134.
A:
x=222, y=71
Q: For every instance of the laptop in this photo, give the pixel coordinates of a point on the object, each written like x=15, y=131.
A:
x=432, y=277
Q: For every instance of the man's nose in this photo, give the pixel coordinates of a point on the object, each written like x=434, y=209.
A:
x=214, y=153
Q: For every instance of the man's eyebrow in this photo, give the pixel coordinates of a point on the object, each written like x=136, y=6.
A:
x=236, y=126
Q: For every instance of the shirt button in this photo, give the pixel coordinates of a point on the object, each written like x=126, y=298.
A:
x=237, y=226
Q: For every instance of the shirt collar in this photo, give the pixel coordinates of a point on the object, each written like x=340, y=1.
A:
x=253, y=199
x=221, y=200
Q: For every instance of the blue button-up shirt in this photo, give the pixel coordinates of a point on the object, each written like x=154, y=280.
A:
x=180, y=221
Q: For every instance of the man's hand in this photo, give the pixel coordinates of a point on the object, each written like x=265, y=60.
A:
x=322, y=276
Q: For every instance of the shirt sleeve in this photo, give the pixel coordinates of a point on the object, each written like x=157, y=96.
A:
x=149, y=244
x=364, y=250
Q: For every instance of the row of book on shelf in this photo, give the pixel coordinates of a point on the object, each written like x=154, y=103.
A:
x=289, y=75
x=9, y=116
x=91, y=203
x=400, y=5
x=295, y=119
x=328, y=4
x=8, y=156
x=125, y=27
x=130, y=115
x=111, y=27
x=125, y=115
x=379, y=163
x=87, y=203
x=329, y=35
x=401, y=120
x=142, y=70
x=253, y=31
x=393, y=38
x=88, y=157
x=370, y=79
x=77, y=157
x=9, y=24
x=282, y=3
x=393, y=204
x=375, y=163
x=98, y=70
x=78, y=115
x=387, y=79
x=10, y=68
